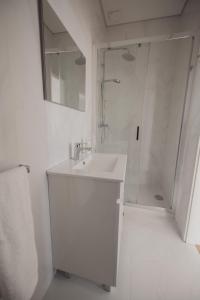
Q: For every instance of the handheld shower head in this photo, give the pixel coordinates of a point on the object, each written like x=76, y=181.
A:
x=115, y=80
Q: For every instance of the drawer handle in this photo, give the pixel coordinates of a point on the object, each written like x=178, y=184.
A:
x=138, y=133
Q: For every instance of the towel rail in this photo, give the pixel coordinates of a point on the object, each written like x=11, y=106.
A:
x=28, y=168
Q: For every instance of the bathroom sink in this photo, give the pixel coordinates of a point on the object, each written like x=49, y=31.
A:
x=96, y=165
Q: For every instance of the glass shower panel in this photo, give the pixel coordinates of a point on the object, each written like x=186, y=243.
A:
x=141, y=105
x=122, y=83
x=162, y=116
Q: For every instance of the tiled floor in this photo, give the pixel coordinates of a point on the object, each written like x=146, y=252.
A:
x=154, y=264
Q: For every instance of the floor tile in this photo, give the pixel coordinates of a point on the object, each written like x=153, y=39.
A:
x=155, y=264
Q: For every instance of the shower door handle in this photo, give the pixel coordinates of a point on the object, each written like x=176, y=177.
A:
x=138, y=133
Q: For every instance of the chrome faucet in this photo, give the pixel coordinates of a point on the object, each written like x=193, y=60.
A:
x=79, y=148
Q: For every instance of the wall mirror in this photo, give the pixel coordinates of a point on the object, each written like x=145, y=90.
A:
x=63, y=63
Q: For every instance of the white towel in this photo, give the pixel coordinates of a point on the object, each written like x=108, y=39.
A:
x=18, y=256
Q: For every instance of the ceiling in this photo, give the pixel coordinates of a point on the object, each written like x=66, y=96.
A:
x=118, y=12
x=51, y=20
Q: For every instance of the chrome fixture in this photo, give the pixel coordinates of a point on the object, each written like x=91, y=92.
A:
x=102, y=123
x=158, y=197
x=80, y=148
x=28, y=168
x=127, y=55
x=115, y=80
x=57, y=51
x=80, y=61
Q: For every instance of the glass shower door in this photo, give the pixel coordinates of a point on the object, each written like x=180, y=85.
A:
x=122, y=85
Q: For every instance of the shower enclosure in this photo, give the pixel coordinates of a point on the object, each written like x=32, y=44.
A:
x=140, y=107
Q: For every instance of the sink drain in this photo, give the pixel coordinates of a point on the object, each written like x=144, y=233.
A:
x=159, y=197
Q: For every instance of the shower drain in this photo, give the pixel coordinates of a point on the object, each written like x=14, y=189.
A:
x=159, y=197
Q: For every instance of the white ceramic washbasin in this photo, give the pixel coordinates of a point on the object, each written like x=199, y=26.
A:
x=96, y=165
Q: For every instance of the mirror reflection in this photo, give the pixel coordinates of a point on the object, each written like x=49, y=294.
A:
x=64, y=63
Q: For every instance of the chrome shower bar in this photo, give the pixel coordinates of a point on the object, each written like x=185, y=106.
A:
x=61, y=51
x=117, y=48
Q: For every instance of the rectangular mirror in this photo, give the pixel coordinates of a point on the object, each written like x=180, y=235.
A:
x=63, y=63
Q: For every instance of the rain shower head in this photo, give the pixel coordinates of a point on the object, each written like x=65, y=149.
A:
x=80, y=61
x=116, y=80
x=128, y=56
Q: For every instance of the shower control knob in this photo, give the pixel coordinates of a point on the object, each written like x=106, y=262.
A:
x=103, y=125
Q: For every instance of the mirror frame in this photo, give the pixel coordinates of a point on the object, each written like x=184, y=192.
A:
x=42, y=48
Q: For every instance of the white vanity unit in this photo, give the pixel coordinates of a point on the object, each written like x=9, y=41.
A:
x=86, y=207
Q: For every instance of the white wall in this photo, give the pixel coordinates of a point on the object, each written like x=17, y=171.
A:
x=23, y=135
x=33, y=131
x=85, y=25
x=189, y=21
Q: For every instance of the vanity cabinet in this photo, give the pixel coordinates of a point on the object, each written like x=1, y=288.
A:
x=86, y=224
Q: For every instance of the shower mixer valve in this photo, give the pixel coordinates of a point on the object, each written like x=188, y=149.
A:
x=103, y=125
